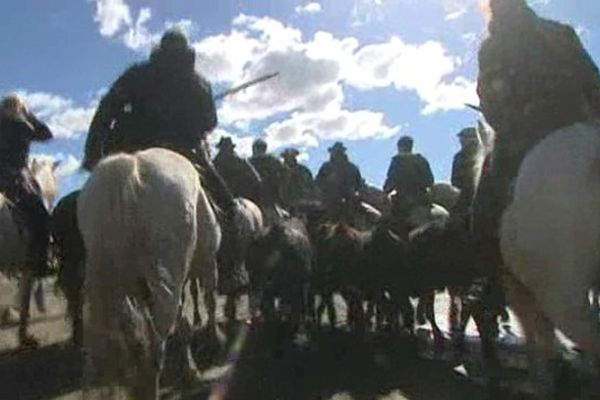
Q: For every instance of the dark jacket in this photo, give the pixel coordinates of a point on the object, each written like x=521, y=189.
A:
x=297, y=184
x=239, y=175
x=152, y=104
x=409, y=174
x=270, y=170
x=463, y=175
x=534, y=77
x=338, y=180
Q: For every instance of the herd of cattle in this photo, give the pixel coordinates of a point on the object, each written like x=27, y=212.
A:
x=295, y=264
x=304, y=259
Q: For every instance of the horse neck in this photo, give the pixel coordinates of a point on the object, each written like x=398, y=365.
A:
x=45, y=178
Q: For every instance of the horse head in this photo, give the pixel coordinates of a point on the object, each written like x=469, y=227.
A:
x=44, y=173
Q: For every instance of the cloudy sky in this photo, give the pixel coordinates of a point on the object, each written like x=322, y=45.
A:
x=361, y=71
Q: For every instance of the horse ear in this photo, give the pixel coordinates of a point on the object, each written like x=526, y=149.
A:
x=55, y=165
x=34, y=164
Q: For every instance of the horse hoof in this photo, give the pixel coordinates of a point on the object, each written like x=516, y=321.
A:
x=208, y=346
x=197, y=320
x=9, y=316
x=28, y=342
x=439, y=343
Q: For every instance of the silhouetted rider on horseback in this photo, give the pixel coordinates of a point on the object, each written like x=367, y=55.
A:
x=162, y=102
x=339, y=184
x=534, y=78
x=410, y=176
x=18, y=128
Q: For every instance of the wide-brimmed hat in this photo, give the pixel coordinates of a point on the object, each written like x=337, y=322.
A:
x=225, y=142
x=13, y=107
x=259, y=143
x=469, y=132
x=291, y=152
x=338, y=147
x=405, y=140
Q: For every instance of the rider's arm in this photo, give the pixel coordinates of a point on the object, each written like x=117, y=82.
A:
x=390, y=180
x=457, y=173
x=41, y=132
x=427, y=174
x=203, y=108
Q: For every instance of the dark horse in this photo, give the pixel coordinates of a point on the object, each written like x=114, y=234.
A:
x=70, y=254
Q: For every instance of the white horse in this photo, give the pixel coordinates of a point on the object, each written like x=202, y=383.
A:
x=146, y=222
x=14, y=241
x=550, y=242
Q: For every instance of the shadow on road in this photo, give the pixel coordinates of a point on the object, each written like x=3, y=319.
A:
x=43, y=373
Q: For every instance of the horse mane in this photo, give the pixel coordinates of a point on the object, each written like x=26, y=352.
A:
x=487, y=139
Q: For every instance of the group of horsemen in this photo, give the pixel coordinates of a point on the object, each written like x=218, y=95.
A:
x=534, y=78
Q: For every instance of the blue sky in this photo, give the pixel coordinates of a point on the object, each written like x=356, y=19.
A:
x=361, y=71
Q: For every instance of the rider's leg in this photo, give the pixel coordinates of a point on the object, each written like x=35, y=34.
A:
x=213, y=181
x=37, y=219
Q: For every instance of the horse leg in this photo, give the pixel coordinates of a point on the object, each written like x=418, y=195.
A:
x=421, y=319
x=384, y=311
x=75, y=308
x=407, y=311
x=25, y=287
x=429, y=306
x=572, y=315
x=197, y=318
x=454, y=316
x=231, y=307
x=297, y=309
x=39, y=295
x=487, y=327
x=538, y=332
x=209, y=286
x=327, y=301
x=148, y=387
x=311, y=315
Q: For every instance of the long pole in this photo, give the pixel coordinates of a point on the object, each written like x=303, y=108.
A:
x=239, y=88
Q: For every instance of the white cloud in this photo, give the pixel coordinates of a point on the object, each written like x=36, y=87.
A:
x=314, y=72
x=583, y=32
x=63, y=116
x=366, y=11
x=306, y=129
x=309, y=8
x=112, y=16
x=138, y=37
x=539, y=2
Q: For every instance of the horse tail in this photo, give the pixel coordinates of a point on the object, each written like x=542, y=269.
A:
x=114, y=321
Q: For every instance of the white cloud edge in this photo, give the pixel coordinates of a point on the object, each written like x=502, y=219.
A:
x=312, y=7
x=65, y=118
